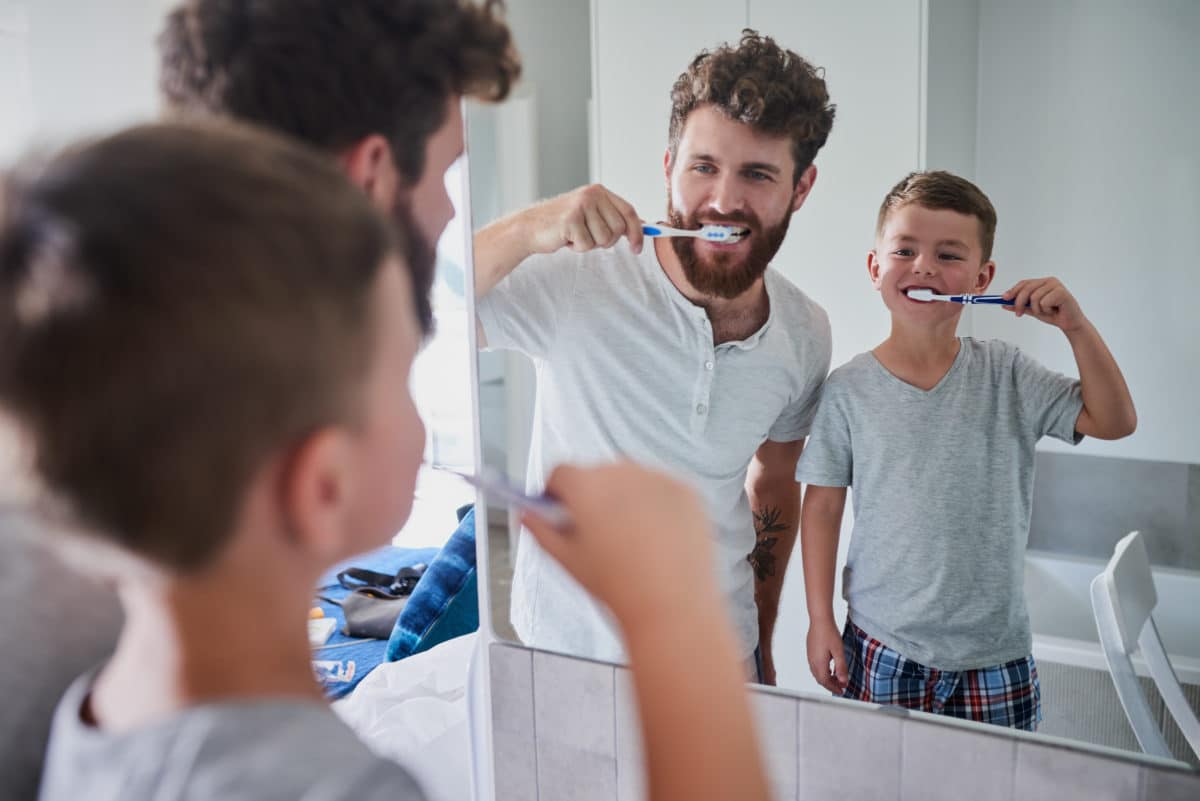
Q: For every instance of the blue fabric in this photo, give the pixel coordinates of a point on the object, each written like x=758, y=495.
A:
x=365, y=654
x=445, y=602
x=443, y=605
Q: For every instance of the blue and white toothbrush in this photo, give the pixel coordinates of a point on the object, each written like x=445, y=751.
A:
x=499, y=489
x=928, y=295
x=711, y=233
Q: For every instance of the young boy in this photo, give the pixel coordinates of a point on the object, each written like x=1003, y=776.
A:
x=936, y=435
x=205, y=338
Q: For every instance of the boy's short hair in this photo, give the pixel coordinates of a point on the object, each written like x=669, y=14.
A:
x=938, y=190
x=178, y=303
x=331, y=73
x=758, y=83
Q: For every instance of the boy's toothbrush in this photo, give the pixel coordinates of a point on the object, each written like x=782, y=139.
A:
x=712, y=233
x=928, y=295
x=498, y=489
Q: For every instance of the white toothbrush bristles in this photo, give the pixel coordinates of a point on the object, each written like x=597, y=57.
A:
x=709, y=233
x=721, y=233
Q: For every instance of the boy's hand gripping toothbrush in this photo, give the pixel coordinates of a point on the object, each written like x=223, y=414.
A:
x=711, y=233
x=928, y=295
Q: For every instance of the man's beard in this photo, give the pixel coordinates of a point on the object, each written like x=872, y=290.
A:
x=421, y=258
x=720, y=274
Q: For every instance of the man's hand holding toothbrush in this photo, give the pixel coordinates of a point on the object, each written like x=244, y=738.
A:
x=583, y=219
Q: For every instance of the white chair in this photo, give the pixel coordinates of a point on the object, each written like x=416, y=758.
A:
x=1123, y=597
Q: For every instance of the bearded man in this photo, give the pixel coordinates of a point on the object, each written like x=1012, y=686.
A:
x=685, y=354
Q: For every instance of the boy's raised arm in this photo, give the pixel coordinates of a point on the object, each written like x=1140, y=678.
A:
x=820, y=526
x=1108, y=411
x=699, y=736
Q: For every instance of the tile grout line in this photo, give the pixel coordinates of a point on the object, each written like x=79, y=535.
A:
x=1012, y=787
x=537, y=776
x=616, y=733
x=796, y=703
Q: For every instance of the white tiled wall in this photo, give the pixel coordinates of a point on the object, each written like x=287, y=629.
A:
x=631, y=782
x=512, y=723
x=779, y=734
x=567, y=728
x=574, y=714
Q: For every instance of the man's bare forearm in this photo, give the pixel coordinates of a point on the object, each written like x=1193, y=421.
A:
x=499, y=248
x=776, y=525
x=583, y=219
x=774, y=496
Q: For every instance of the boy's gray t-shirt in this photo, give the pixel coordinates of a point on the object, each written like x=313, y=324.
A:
x=55, y=623
x=250, y=750
x=942, y=488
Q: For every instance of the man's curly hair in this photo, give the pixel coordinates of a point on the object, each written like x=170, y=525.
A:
x=759, y=83
x=331, y=73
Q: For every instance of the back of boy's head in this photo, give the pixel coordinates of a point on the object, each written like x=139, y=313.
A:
x=940, y=190
x=177, y=304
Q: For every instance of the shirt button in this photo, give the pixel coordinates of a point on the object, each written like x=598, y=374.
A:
x=701, y=408
x=708, y=365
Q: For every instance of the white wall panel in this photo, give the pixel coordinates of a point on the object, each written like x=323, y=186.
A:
x=640, y=48
x=871, y=53
x=1088, y=148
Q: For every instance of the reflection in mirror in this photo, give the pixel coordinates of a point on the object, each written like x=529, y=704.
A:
x=1080, y=132
x=70, y=70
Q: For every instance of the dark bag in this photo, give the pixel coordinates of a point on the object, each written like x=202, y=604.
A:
x=375, y=599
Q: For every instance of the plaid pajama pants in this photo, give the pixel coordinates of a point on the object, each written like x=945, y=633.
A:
x=1004, y=695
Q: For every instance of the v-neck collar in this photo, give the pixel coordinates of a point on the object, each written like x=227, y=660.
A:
x=955, y=366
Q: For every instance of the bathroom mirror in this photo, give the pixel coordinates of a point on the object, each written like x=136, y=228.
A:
x=1079, y=123
x=48, y=88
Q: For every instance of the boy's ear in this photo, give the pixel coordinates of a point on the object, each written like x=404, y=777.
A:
x=316, y=491
x=873, y=269
x=804, y=186
x=984, y=279
x=369, y=166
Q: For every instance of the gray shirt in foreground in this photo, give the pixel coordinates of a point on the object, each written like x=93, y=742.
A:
x=942, y=489
x=54, y=624
x=249, y=750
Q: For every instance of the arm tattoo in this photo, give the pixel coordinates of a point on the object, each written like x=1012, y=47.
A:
x=766, y=522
